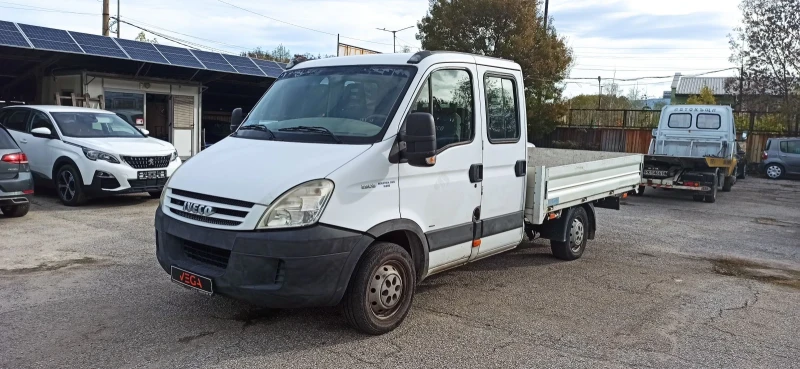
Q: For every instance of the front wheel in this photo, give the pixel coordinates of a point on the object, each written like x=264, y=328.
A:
x=70, y=186
x=381, y=290
x=15, y=211
x=577, y=235
x=728, y=184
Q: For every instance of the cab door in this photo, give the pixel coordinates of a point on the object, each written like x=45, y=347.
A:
x=443, y=198
x=504, y=160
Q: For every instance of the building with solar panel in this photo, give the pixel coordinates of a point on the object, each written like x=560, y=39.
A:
x=184, y=96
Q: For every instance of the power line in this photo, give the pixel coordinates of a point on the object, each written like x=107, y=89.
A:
x=650, y=48
x=299, y=26
x=187, y=35
x=188, y=44
x=651, y=77
x=41, y=9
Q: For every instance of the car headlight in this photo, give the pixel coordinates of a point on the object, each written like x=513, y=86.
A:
x=300, y=206
x=174, y=155
x=99, y=155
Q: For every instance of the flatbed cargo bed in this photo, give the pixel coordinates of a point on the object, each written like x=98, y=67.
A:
x=559, y=179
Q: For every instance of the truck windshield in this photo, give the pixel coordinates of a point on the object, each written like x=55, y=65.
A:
x=348, y=104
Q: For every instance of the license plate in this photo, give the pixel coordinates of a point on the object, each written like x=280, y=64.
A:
x=191, y=280
x=657, y=173
x=152, y=174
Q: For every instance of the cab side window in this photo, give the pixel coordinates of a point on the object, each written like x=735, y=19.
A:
x=41, y=120
x=447, y=95
x=502, y=111
x=17, y=120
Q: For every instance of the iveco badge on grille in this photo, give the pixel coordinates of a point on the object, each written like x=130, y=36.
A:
x=198, y=209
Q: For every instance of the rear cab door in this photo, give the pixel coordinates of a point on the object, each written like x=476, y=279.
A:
x=503, y=119
x=41, y=152
x=16, y=121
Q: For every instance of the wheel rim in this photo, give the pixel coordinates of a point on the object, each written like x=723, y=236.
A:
x=66, y=185
x=385, y=292
x=576, y=235
x=774, y=171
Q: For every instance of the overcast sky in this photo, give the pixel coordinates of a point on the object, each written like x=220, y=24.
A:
x=610, y=38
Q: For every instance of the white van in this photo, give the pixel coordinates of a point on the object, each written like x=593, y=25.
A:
x=355, y=178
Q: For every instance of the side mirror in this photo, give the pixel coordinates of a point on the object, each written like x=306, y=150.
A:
x=655, y=131
x=144, y=131
x=236, y=119
x=419, y=136
x=42, y=132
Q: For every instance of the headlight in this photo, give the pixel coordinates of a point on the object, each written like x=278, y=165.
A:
x=300, y=206
x=166, y=185
x=174, y=155
x=99, y=155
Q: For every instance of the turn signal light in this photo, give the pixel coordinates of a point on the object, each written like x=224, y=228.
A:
x=16, y=158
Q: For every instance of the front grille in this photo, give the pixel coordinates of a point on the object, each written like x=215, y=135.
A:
x=147, y=162
x=217, y=210
x=210, y=255
x=147, y=183
x=209, y=220
x=221, y=200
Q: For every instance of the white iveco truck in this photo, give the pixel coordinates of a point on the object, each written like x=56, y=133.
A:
x=355, y=178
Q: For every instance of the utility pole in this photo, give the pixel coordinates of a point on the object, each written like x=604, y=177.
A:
x=546, y=5
x=105, y=18
x=599, y=91
x=118, y=22
x=394, y=36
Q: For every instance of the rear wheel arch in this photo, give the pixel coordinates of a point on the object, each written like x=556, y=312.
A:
x=592, y=219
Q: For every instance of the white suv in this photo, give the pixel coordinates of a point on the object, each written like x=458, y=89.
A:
x=89, y=152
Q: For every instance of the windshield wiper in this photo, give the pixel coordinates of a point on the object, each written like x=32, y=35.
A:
x=322, y=130
x=258, y=127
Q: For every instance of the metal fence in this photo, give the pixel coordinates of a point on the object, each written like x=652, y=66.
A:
x=631, y=130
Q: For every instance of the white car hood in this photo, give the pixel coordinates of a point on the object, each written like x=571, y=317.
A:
x=259, y=171
x=125, y=146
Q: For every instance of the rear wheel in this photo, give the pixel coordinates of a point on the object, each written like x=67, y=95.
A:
x=639, y=191
x=577, y=235
x=698, y=198
x=70, y=186
x=729, y=181
x=381, y=290
x=742, y=171
x=774, y=171
x=15, y=211
x=712, y=196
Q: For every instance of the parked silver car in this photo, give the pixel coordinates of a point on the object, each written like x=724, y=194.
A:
x=781, y=157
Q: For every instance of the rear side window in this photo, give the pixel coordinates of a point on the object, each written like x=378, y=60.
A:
x=680, y=120
x=501, y=109
x=709, y=121
x=17, y=121
x=6, y=141
x=790, y=147
x=769, y=143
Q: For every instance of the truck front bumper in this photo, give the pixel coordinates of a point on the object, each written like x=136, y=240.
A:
x=301, y=267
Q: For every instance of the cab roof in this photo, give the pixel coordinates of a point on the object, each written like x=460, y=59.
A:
x=61, y=109
x=426, y=58
x=696, y=109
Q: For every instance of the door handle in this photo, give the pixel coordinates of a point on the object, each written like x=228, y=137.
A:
x=23, y=141
x=476, y=173
x=520, y=168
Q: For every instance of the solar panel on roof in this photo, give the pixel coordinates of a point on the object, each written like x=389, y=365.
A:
x=142, y=51
x=98, y=45
x=271, y=68
x=243, y=65
x=50, y=39
x=213, y=61
x=10, y=35
x=179, y=56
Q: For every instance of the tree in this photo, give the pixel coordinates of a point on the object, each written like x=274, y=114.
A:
x=142, y=37
x=508, y=29
x=405, y=49
x=767, y=48
x=281, y=54
x=706, y=97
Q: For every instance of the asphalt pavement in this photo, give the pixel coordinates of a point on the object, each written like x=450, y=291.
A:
x=667, y=283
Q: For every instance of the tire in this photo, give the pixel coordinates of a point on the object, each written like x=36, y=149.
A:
x=69, y=186
x=155, y=194
x=742, y=172
x=381, y=290
x=774, y=171
x=729, y=181
x=698, y=198
x=640, y=191
x=577, y=236
x=712, y=197
x=15, y=211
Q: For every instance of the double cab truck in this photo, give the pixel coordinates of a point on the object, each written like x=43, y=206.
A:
x=694, y=149
x=355, y=178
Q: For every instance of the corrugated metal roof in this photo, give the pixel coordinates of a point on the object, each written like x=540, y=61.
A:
x=693, y=85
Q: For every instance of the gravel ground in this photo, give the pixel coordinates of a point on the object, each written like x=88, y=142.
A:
x=668, y=283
